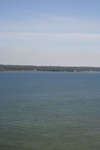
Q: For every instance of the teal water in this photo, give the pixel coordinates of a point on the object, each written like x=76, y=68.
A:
x=49, y=111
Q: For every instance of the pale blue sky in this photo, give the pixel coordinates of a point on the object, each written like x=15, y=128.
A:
x=50, y=32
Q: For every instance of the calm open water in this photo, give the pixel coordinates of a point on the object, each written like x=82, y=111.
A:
x=49, y=111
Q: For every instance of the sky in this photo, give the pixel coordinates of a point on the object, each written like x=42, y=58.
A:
x=50, y=32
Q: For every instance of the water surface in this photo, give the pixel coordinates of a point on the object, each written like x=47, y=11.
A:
x=49, y=111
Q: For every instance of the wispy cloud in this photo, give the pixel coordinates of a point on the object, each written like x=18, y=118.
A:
x=32, y=36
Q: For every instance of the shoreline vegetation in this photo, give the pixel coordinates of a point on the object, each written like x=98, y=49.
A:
x=30, y=68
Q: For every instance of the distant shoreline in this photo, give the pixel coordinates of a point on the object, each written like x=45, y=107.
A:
x=30, y=68
x=49, y=72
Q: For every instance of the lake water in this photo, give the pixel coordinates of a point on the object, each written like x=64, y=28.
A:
x=49, y=111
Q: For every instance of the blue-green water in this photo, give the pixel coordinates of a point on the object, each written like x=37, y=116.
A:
x=49, y=111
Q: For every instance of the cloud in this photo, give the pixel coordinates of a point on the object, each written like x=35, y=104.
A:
x=32, y=36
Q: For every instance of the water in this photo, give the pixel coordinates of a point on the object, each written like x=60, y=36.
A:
x=49, y=111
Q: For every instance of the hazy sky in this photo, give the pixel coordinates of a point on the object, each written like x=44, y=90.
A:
x=50, y=32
